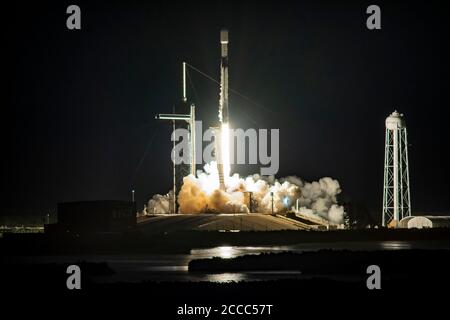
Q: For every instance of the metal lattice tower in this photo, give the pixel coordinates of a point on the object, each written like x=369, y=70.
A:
x=396, y=196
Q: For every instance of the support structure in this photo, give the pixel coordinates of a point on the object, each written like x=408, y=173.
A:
x=271, y=196
x=179, y=171
x=190, y=119
x=396, y=194
x=184, y=82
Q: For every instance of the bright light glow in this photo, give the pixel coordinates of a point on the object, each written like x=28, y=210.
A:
x=225, y=277
x=286, y=201
x=225, y=132
x=209, y=181
x=226, y=252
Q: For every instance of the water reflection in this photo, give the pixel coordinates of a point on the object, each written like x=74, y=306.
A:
x=166, y=268
x=228, y=252
x=225, y=252
x=225, y=277
x=395, y=245
x=174, y=267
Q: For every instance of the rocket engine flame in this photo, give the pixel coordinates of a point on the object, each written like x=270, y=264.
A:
x=225, y=136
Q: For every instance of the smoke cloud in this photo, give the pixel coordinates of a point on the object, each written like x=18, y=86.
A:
x=159, y=204
x=201, y=194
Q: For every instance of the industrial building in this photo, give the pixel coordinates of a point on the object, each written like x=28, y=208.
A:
x=420, y=222
x=94, y=217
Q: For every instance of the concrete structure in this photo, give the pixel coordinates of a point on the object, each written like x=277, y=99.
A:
x=420, y=222
x=396, y=195
x=218, y=222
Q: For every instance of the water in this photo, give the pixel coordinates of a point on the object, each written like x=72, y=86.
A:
x=174, y=267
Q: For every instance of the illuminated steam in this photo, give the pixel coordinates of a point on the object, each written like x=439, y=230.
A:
x=202, y=194
x=159, y=204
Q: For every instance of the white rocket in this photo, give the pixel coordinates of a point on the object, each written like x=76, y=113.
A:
x=223, y=105
x=222, y=150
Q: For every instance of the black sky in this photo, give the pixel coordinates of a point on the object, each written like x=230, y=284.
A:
x=79, y=106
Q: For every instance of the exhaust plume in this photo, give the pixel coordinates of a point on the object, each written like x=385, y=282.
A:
x=202, y=194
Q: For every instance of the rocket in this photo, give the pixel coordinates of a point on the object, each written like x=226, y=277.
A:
x=223, y=105
x=222, y=143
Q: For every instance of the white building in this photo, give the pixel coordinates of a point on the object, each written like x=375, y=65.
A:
x=420, y=222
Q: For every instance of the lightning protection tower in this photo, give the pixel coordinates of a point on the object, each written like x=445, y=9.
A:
x=396, y=196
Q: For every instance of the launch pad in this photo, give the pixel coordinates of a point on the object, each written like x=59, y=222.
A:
x=218, y=222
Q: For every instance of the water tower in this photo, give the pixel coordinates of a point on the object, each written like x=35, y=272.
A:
x=396, y=196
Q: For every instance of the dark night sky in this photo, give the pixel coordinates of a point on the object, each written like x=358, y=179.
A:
x=79, y=106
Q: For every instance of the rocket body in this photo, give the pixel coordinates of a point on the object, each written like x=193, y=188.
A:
x=222, y=133
x=223, y=105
